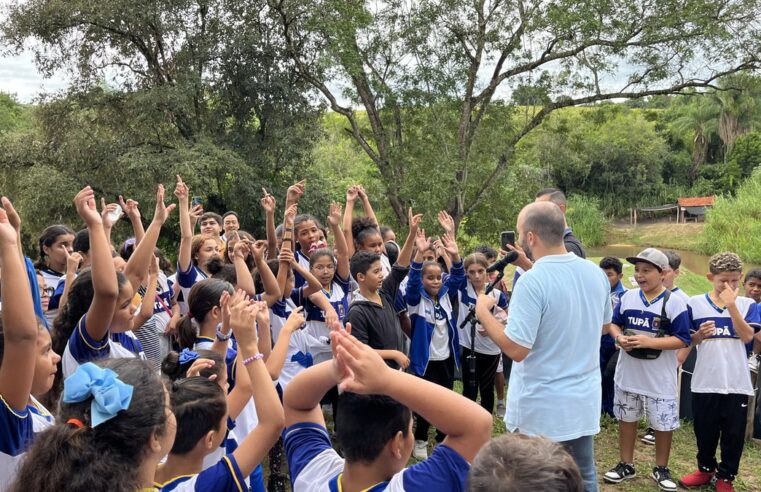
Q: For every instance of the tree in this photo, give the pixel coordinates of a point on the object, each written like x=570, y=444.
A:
x=391, y=56
x=738, y=101
x=698, y=118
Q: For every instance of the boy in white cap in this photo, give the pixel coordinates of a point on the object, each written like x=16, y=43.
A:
x=649, y=325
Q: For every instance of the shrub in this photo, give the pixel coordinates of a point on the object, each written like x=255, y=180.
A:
x=587, y=220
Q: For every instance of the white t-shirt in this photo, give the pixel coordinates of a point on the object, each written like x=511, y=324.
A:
x=636, y=315
x=439, y=347
x=721, y=365
x=483, y=343
x=682, y=294
x=298, y=357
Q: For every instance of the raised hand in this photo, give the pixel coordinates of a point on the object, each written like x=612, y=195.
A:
x=334, y=217
x=198, y=366
x=8, y=234
x=295, y=320
x=414, y=220
x=286, y=256
x=153, y=267
x=13, y=216
x=85, y=205
x=107, y=213
x=446, y=221
x=367, y=373
x=361, y=192
x=257, y=249
x=267, y=202
x=181, y=190
x=242, y=320
x=450, y=245
x=290, y=215
x=130, y=207
x=263, y=316
x=195, y=213
x=162, y=211
x=352, y=193
x=295, y=191
x=241, y=249
x=73, y=261
x=422, y=243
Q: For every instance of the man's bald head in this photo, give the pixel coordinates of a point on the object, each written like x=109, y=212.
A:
x=545, y=220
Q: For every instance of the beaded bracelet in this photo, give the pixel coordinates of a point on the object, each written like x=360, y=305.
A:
x=249, y=360
x=221, y=336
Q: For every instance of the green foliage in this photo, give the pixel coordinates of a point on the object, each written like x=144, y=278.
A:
x=734, y=223
x=746, y=155
x=587, y=220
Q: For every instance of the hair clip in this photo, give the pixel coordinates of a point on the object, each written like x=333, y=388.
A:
x=109, y=394
x=76, y=423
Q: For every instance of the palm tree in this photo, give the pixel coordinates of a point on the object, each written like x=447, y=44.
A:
x=738, y=104
x=698, y=119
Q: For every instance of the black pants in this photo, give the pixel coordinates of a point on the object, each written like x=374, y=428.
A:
x=720, y=420
x=440, y=372
x=486, y=370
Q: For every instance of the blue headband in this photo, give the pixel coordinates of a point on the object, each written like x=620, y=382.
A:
x=187, y=355
x=109, y=394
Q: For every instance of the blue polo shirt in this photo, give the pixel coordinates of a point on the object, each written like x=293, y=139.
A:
x=557, y=310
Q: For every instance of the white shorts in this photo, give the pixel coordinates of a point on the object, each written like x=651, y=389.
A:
x=662, y=414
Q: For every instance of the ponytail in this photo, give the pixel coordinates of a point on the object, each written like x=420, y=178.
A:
x=203, y=297
x=186, y=332
x=174, y=370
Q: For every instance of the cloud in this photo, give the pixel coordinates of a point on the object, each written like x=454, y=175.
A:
x=19, y=76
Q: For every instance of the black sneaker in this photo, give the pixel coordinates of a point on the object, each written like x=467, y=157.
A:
x=662, y=477
x=622, y=471
x=649, y=437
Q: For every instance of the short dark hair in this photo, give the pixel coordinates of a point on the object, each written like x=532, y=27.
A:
x=361, y=262
x=612, y=263
x=199, y=406
x=546, y=222
x=211, y=215
x=230, y=212
x=519, y=462
x=675, y=261
x=81, y=242
x=556, y=196
x=486, y=250
x=368, y=422
x=755, y=273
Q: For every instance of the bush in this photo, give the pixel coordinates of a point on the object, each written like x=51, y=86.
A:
x=734, y=223
x=587, y=220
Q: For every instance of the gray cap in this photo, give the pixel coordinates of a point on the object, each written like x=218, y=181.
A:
x=653, y=256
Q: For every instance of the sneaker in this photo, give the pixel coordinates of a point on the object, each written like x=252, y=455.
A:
x=649, y=437
x=622, y=471
x=420, y=452
x=753, y=362
x=662, y=477
x=724, y=486
x=696, y=479
x=500, y=410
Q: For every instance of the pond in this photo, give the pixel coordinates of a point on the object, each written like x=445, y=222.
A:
x=695, y=262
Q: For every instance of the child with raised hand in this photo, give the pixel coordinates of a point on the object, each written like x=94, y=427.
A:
x=103, y=329
x=195, y=251
x=376, y=426
x=182, y=470
x=432, y=305
x=649, y=324
x=476, y=342
x=27, y=363
x=721, y=383
x=114, y=425
x=55, y=242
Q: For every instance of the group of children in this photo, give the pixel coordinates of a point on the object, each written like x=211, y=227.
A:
x=117, y=374
x=655, y=328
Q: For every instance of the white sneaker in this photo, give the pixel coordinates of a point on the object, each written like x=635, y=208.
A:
x=753, y=362
x=420, y=452
x=500, y=410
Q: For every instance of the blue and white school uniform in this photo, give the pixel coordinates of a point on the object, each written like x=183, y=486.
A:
x=187, y=279
x=54, y=283
x=656, y=378
x=18, y=429
x=721, y=366
x=224, y=476
x=303, y=261
x=315, y=466
x=483, y=343
x=434, y=334
x=298, y=357
x=82, y=348
x=316, y=329
x=682, y=294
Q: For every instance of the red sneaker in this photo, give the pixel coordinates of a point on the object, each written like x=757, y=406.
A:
x=724, y=486
x=696, y=479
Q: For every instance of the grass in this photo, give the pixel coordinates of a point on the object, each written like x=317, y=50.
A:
x=670, y=235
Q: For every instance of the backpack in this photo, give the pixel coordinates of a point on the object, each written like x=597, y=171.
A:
x=664, y=326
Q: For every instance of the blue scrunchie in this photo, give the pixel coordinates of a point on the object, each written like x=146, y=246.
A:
x=109, y=394
x=305, y=360
x=187, y=355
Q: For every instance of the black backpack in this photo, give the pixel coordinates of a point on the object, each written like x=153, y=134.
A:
x=664, y=326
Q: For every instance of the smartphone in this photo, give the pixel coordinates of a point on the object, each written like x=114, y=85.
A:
x=505, y=238
x=196, y=200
